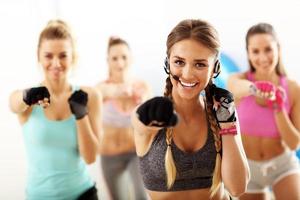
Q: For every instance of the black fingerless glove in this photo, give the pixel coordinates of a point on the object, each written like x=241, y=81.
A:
x=157, y=111
x=225, y=112
x=78, y=104
x=31, y=96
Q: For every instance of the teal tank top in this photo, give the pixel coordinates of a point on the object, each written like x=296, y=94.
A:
x=55, y=169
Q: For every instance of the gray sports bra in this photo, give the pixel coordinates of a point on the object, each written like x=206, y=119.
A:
x=194, y=170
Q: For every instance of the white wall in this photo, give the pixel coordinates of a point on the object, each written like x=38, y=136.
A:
x=144, y=24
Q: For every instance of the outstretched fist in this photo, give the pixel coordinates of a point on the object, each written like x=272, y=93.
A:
x=158, y=111
x=33, y=95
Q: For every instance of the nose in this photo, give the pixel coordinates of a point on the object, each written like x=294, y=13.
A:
x=56, y=62
x=120, y=63
x=263, y=57
x=187, y=72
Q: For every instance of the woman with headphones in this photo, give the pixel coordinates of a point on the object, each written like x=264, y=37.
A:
x=188, y=144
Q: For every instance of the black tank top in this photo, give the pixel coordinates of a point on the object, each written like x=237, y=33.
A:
x=194, y=170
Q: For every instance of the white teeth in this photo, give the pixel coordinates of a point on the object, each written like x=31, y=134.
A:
x=187, y=84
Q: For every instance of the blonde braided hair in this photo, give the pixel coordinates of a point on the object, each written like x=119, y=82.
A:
x=218, y=141
x=169, y=160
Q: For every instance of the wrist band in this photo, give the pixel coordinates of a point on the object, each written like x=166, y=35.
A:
x=228, y=131
x=252, y=89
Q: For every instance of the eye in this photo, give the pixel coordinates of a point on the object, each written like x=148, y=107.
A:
x=200, y=65
x=124, y=57
x=62, y=56
x=178, y=63
x=48, y=56
x=255, y=51
x=114, y=58
x=268, y=49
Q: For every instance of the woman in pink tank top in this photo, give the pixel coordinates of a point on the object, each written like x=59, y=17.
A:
x=269, y=114
x=121, y=94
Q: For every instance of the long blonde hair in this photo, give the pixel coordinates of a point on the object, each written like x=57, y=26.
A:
x=204, y=33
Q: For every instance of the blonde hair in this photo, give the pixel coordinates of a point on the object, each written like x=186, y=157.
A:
x=203, y=32
x=58, y=30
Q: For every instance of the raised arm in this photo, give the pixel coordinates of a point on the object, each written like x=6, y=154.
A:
x=149, y=118
x=86, y=106
x=289, y=126
x=21, y=100
x=141, y=91
x=234, y=166
x=113, y=90
x=239, y=85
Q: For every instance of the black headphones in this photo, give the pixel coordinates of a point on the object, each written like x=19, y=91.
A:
x=217, y=67
x=167, y=66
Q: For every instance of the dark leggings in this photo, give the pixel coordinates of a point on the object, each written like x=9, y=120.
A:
x=114, y=166
x=90, y=194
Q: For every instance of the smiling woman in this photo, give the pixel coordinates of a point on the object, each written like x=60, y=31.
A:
x=59, y=122
x=270, y=138
x=121, y=94
x=183, y=157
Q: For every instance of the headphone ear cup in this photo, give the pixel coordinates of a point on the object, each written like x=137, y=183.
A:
x=217, y=68
x=167, y=66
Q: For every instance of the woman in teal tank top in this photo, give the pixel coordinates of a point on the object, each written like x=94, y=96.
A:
x=60, y=123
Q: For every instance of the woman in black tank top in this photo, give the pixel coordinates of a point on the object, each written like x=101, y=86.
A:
x=187, y=143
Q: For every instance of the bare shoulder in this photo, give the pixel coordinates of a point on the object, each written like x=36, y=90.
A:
x=293, y=84
x=294, y=89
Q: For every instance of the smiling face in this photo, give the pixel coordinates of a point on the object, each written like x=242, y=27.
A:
x=263, y=53
x=193, y=64
x=119, y=60
x=55, y=56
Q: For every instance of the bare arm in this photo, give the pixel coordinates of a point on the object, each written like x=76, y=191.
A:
x=90, y=127
x=143, y=135
x=141, y=91
x=289, y=127
x=113, y=90
x=149, y=118
x=234, y=168
x=16, y=103
x=239, y=85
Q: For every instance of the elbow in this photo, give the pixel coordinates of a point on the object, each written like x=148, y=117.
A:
x=90, y=159
x=294, y=145
x=237, y=191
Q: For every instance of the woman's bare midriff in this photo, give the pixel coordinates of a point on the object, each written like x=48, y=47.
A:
x=198, y=194
x=116, y=141
x=262, y=148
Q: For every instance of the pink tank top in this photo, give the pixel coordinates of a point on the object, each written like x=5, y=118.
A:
x=257, y=120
